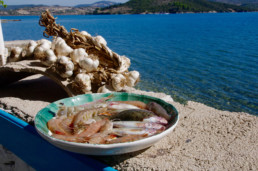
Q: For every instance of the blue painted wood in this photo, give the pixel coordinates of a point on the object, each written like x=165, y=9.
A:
x=23, y=140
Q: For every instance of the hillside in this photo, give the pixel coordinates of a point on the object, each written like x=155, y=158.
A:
x=170, y=6
x=81, y=9
x=245, y=3
x=99, y=4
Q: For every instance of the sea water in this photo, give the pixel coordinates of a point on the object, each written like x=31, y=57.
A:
x=208, y=58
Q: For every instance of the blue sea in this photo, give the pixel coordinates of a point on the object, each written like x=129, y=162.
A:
x=207, y=58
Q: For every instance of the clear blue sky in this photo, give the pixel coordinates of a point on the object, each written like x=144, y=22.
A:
x=55, y=2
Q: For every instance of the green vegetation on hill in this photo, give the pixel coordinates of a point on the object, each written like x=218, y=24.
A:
x=170, y=6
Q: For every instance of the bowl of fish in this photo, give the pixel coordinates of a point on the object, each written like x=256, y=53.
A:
x=106, y=123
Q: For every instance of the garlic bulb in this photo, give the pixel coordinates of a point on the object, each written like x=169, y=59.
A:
x=15, y=54
x=89, y=64
x=60, y=47
x=99, y=41
x=30, y=48
x=64, y=66
x=132, y=78
x=83, y=81
x=44, y=41
x=85, y=33
x=118, y=82
x=105, y=89
x=78, y=54
x=50, y=58
x=39, y=51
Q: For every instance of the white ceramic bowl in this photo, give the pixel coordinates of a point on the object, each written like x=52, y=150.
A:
x=48, y=112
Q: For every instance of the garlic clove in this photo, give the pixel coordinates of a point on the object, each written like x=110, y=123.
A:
x=83, y=81
x=50, y=58
x=105, y=89
x=44, y=41
x=89, y=64
x=66, y=74
x=63, y=60
x=132, y=78
x=118, y=82
x=99, y=41
x=78, y=54
x=61, y=48
x=15, y=54
x=69, y=66
x=85, y=33
x=64, y=66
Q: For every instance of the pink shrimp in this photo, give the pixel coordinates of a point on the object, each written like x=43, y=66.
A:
x=92, y=128
x=82, y=117
x=54, y=126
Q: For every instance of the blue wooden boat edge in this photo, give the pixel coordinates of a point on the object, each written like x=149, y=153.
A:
x=23, y=140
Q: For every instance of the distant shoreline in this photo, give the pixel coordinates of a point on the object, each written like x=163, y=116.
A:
x=209, y=12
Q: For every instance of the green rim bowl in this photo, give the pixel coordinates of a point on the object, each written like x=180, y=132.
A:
x=47, y=113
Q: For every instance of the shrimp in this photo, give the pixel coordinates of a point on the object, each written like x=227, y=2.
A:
x=70, y=110
x=60, y=125
x=101, y=138
x=92, y=129
x=71, y=138
x=83, y=117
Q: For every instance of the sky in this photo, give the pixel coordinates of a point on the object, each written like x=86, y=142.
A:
x=56, y=2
